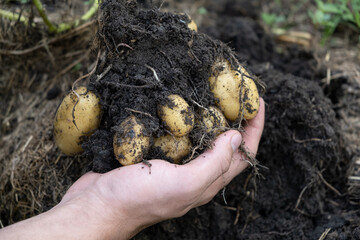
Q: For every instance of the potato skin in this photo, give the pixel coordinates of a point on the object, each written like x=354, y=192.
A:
x=213, y=120
x=249, y=94
x=177, y=115
x=228, y=85
x=76, y=118
x=175, y=148
x=192, y=25
x=130, y=142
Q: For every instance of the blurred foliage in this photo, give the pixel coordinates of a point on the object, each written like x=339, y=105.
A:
x=18, y=1
x=52, y=28
x=329, y=14
x=202, y=10
x=272, y=19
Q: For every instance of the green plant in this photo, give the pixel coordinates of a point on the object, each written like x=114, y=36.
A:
x=52, y=28
x=272, y=19
x=330, y=14
x=18, y=1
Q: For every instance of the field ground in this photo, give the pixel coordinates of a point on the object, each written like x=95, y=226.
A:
x=310, y=183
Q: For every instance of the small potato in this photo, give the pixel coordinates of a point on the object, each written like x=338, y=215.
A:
x=75, y=119
x=177, y=115
x=175, y=148
x=228, y=86
x=130, y=142
x=213, y=120
x=192, y=25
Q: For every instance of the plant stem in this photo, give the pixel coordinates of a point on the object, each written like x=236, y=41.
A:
x=43, y=15
x=52, y=28
x=91, y=11
x=66, y=26
x=13, y=16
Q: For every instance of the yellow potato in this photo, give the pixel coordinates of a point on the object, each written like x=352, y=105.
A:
x=213, y=120
x=228, y=86
x=75, y=119
x=192, y=25
x=175, y=148
x=249, y=94
x=130, y=142
x=177, y=115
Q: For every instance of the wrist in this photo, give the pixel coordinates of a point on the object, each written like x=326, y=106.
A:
x=64, y=221
x=96, y=218
x=90, y=219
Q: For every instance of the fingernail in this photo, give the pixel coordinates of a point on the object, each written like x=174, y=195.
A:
x=236, y=141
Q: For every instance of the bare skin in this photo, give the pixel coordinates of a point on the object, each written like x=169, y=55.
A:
x=120, y=203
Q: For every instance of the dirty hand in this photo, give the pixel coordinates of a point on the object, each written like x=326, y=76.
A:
x=120, y=203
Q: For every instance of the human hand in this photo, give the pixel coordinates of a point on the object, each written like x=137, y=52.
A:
x=129, y=199
x=120, y=203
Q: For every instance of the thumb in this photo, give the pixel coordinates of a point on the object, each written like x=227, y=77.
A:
x=213, y=163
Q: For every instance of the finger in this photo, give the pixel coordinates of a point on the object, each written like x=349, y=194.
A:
x=251, y=138
x=254, y=129
x=237, y=166
x=212, y=164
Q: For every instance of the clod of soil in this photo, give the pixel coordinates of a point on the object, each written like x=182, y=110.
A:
x=147, y=56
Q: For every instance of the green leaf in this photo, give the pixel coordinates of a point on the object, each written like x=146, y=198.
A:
x=268, y=18
x=271, y=18
x=77, y=67
x=318, y=17
x=319, y=4
x=357, y=19
x=348, y=17
x=330, y=8
x=202, y=10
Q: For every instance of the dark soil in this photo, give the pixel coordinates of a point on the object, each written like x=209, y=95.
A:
x=152, y=54
x=301, y=192
x=300, y=148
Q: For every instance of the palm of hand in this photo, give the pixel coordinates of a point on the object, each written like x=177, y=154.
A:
x=132, y=193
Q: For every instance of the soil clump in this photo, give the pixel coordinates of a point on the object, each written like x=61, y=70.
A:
x=148, y=55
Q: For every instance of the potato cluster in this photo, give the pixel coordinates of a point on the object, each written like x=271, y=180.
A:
x=236, y=98
x=235, y=93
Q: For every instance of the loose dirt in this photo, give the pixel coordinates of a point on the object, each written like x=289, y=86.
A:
x=308, y=147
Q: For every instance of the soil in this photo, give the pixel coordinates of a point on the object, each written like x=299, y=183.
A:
x=152, y=54
x=307, y=150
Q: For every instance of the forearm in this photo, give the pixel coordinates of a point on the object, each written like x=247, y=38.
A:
x=68, y=221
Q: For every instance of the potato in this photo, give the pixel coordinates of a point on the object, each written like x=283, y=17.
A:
x=75, y=119
x=213, y=120
x=130, y=142
x=228, y=86
x=177, y=115
x=249, y=94
x=192, y=25
x=175, y=148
